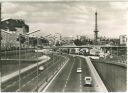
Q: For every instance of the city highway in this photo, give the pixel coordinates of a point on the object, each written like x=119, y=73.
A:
x=29, y=79
x=68, y=80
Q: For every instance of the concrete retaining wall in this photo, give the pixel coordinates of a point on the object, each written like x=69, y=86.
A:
x=114, y=76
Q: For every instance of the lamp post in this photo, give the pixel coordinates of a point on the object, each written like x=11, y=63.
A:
x=20, y=57
x=19, y=64
x=37, y=43
x=37, y=65
x=0, y=48
x=37, y=40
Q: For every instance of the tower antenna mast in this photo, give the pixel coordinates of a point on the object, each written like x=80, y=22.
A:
x=96, y=30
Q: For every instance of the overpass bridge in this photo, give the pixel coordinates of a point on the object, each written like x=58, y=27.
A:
x=113, y=49
x=86, y=46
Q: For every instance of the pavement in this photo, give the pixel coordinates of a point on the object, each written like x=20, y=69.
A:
x=47, y=84
x=9, y=76
x=59, y=75
x=68, y=80
x=100, y=85
x=31, y=80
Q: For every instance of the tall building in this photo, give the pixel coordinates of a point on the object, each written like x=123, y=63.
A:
x=96, y=30
x=15, y=25
x=10, y=30
x=123, y=39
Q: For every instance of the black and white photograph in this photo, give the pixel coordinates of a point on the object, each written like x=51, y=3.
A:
x=63, y=45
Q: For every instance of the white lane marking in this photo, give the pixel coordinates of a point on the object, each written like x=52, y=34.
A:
x=80, y=63
x=54, y=77
x=68, y=76
x=26, y=76
x=10, y=85
x=34, y=77
x=95, y=75
x=6, y=87
x=16, y=81
x=80, y=77
x=16, y=73
x=80, y=84
x=26, y=84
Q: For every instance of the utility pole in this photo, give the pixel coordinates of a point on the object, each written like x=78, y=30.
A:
x=19, y=65
x=0, y=48
x=37, y=40
x=37, y=64
x=0, y=31
x=20, y=57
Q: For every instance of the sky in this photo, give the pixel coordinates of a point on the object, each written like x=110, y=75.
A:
x=70, y=18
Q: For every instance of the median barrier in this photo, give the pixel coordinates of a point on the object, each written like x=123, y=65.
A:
x=14, y=74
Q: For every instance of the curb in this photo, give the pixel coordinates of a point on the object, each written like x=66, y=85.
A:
x=101, y=87
x=7, y=77
x=43, y=88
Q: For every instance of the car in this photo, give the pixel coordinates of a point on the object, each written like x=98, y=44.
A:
x=94, y=57
x=41, y=68
x=79, y=70
x=88, y=81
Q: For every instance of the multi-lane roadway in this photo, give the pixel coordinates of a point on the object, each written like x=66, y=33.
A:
x=29, y=79
x=69, y=80
x=66, y=80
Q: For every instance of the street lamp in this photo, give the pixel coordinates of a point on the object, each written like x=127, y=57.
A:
x=20, y=56
x=37, y=40
x=37, y=65
x=19, y=64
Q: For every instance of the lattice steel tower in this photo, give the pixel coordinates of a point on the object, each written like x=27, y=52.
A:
x=96, y=30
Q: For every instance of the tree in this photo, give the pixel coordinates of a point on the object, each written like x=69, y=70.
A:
x=33, y=41
x=44, y=40
x=57, y=43
x=21, y=39
x=77, y=42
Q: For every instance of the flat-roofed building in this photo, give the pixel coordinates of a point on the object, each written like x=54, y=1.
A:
x=123, y=39
x=11, y=28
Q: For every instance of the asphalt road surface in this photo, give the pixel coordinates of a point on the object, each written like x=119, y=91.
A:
x=68, y=80
x=29, y=79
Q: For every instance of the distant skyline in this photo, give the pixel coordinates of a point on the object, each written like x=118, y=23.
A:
x=70, y=18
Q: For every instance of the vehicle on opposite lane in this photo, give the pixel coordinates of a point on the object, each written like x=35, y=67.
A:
x=41, y=68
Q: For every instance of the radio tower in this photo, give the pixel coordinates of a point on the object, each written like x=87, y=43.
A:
x=96, y=30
